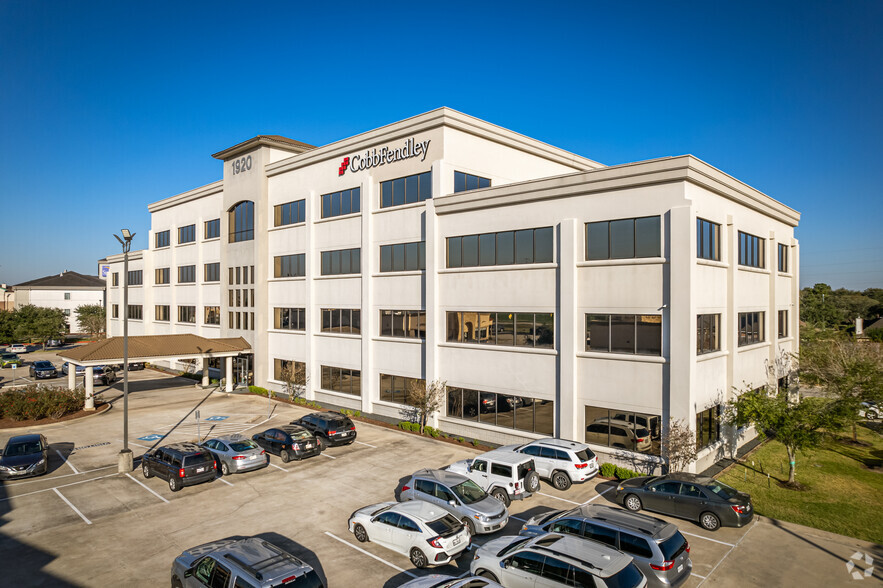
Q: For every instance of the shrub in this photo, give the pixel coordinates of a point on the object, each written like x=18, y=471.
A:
x=404, y=425
x=357, y=413
x=625, y=473
x=261, y=391
x=190, y=376
x=428, y=430
x=461, y=440
x=37, y=402
x=475, y=442
x=608, y=470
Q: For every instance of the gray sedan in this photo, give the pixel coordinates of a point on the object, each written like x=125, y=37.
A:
x=235, y=454
x=479, y=511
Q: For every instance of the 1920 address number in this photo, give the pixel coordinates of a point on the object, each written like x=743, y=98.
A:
x=241, y=165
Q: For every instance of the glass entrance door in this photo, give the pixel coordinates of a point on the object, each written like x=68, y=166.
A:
x=242, y=371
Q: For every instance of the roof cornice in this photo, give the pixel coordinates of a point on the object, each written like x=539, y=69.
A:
x=119, y=257
x=433, y=119
x=189, y=196
x=274, y=142
x=684, y=168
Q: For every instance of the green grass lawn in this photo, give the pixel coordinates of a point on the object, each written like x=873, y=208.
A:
x=842, y=485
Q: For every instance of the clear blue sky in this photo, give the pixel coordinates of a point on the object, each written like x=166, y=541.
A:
x=108, y=106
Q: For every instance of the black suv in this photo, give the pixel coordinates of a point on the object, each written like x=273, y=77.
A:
x=330, y=428
x=182, y=464
x=289, y=441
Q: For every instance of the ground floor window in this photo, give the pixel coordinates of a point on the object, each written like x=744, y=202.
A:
x=632, y=431
x=502, y=410
x=342, y=380
x=395, y=388
x=708, y=426
x=286, y=370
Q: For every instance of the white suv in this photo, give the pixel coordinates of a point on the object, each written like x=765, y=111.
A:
x=505, y=475
x=560, y=461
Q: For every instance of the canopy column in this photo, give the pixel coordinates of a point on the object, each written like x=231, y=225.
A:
x=90, y=399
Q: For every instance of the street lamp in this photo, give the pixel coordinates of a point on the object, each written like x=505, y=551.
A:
x=126, y=463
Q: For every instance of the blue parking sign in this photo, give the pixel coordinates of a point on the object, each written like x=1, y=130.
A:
x=151, y=437
x=216, y=418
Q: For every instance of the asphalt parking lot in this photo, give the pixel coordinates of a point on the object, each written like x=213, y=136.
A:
x=84, y=524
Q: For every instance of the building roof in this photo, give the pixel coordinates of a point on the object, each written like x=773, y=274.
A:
x=66, y=279
x=150, y=347
x=277, y=141
x=877, y=324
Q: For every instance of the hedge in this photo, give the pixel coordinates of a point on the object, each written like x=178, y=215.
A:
x=38, y=402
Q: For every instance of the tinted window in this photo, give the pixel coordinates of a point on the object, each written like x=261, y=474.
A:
x=425, y=487
x=479, y=465
x=501, y=470
x=636, y=546
x=556, y=570
x=389, y=518
x=691, y=490
x=529, y=562
x=721, y=490
x=668, y=487
x=600, y=534
x=570, y=526
x=408, y=525
x=241, y=445
x=629, y=577
x=444, y=525
x=585, y=454
x=198, y=459
x=548, y=453
x=673, y=546
x=532, y=450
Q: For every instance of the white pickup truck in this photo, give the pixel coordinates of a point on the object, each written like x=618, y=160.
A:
x=505, y=475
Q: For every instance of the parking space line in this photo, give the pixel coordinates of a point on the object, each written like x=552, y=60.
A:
x=224, y=481
x=368, y=553
x=67, y=462
x=557, y=498
x=599, y=495
x=328, y=456
x=278, y=468
x=697, y=575
x=708, y=539
x=23, y=482
x=133, y=443
x=727, y=553
x=517, y=519
x=368, y=444
x=146, y=488
x=76, y=510
x=48, y=489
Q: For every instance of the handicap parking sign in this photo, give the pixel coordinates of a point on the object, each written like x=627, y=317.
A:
x=151, y=437
x=216, y=418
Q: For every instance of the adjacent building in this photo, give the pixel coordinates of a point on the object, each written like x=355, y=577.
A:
x=554, y=295
x=66, y=291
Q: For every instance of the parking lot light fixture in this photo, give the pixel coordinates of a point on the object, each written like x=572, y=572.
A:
x=126, y=461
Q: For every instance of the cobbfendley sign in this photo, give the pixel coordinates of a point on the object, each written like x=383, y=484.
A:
x=377, y=157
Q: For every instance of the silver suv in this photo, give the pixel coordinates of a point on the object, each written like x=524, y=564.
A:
x=476, y=508
x=245, y=562
x=659, y=549
x=554, y=560
x=505, y=475
x=560, y=461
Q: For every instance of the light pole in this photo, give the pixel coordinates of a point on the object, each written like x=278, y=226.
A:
x=126, y=463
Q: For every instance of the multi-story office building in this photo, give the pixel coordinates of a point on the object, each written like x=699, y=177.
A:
x=553, y=294
x=66, y=291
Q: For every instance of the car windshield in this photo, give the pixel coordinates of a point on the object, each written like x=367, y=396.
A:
x=585, y=454
x=243, y=445
x=722, y=490
x=447, y=525
x=673, y=546
x=628, y=577
x=469, y=492
x=42, y=364
x=8, y=356
x=25, y=448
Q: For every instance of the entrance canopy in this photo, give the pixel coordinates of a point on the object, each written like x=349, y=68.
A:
x=152, y=347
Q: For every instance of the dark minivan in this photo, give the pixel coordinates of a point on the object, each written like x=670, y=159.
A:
x=330, y=428
x=182, y=464
x=289, y=442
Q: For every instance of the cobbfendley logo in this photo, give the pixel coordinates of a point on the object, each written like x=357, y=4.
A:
x=377, y=157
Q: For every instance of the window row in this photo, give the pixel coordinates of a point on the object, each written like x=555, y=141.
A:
x=342, y=320
x=502, y=410
x=403, y=323
x=341, y=261
x=396, y=388
x=188, y=234
x=503, y=248
x=342, y=380
x=639, y=334
x=624, y=238
x=289, y=266
x=239, y=297
x=290, y=213
x=410, y=189
x=294, y=319
x=522, y=329
x=403, y=257
x=240, y=321
x=464, y=181
x=341, y=203
x=239, y=275
x=632, y=431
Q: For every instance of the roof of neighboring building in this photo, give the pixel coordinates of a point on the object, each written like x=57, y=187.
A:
x=148, y=347
x=877, y=324
x=66, y=279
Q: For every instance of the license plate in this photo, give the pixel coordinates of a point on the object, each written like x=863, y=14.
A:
x=17, y=472
x=680, y=568
x=252, y=457
x=309, y=445
x=456, y=541
x=200, y=470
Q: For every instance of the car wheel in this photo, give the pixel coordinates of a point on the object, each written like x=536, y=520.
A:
x=286, y=457
x=470, y=526
x=145, y=469
x=174, y=484
x=360, y=533
x=709, y=521
x=486, y=574
x=532, y=482
x=871, y=415
x=418, y=558
x=501, y=495
x=561, y=481
x=321, y=442
x=632, y=502
x=176, y=583
x=225, y=469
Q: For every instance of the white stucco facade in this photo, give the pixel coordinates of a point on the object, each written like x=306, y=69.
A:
x=509, y=334
x=65, y=291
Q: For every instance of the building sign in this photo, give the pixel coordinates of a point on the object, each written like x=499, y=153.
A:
x=104, y=270
x=377, y=157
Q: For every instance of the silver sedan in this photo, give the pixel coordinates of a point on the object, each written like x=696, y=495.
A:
x=235, y=454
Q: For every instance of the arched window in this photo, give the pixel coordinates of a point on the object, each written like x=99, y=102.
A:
x=241, y=220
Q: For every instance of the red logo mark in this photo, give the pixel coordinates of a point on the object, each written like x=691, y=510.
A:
x=343, y=166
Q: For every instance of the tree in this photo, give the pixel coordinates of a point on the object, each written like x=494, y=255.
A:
x=817, y=306
x=850, y=372
x=32, y=323
x=678, y=445
x=798, y=426
x=426, y=398
x=294, y=375
x=91, y=318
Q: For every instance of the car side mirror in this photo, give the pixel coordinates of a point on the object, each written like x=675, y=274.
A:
x=504, y=563
x=452, y=502
x=188, y=573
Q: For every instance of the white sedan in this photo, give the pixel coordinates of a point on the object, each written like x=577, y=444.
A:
x=427, y=533
x=17, y=348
